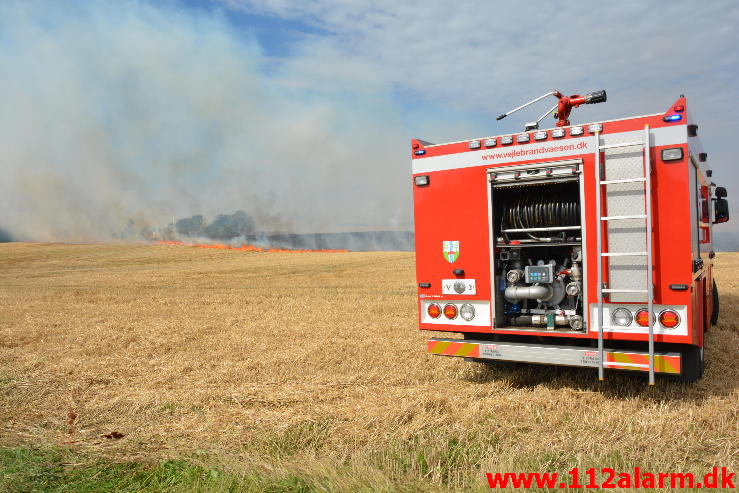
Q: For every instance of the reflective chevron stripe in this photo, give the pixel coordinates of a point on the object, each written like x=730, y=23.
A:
x=450, y=348
x=632, y=361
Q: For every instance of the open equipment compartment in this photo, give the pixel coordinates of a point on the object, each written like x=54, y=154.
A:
x=537, y=233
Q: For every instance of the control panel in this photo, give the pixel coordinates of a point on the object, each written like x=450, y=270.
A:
x=540, y=273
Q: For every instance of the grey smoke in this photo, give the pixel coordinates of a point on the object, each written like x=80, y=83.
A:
x=119, y=110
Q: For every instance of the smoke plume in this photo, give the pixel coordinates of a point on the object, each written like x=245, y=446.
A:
x=238, y=230
x=126, y=115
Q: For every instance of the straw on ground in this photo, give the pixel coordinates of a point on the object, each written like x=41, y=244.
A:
x=312, y=364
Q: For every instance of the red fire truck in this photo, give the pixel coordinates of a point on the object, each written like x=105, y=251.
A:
x=579, y=245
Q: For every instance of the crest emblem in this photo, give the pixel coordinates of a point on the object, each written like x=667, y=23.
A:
x=451, y=250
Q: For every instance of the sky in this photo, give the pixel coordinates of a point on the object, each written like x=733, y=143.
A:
x=301, y=112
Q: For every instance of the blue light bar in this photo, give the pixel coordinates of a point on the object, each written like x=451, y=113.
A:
x=672, y=118
x=420, y=152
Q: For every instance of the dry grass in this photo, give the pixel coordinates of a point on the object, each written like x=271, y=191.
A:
x=312, y=363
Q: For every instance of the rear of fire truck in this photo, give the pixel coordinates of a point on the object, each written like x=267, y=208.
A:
x=580, y=245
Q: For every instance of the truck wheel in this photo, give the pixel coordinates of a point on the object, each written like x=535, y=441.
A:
x=692, y=364
x=714, y=314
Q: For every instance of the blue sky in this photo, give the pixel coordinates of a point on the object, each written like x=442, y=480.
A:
x=301, y=111
x=277, y=36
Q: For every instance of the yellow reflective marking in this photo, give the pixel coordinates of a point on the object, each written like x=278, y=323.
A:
x=440, y=347
x=663, y=365
x=620, y=358
x=466, y=349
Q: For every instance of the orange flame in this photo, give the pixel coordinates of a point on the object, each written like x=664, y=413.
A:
x=245, y=248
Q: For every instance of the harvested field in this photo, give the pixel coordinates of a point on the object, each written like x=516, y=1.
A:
x=310, y=365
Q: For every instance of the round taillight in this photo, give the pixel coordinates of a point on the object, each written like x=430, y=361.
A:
x=622, y=317
x=467, y=312
x=450, y=311
x=642, y=318
x=434, y=310
x=669, y=319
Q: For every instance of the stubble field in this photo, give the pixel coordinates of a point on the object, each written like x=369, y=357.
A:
x=284, y=371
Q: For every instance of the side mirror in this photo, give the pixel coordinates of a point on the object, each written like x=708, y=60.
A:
x=721, y=209
x=720, y=192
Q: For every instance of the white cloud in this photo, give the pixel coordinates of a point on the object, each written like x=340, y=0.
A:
x=488, y=57
x=484, y=53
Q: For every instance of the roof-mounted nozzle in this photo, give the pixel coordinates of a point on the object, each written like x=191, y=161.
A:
x=595, y=97
x=563, y=107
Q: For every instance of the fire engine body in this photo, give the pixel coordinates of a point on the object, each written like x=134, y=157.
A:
x=553, y=246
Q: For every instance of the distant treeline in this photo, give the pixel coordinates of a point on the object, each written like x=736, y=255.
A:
x=223, y=227
x=5, y=236
x=241, y=228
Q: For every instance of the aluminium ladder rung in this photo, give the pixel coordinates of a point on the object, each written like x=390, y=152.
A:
x=623, y=254
x=624, y=291
x=626, y=180
x=618, y=218
x=622, y=144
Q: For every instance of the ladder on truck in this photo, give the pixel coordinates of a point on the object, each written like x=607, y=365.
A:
x=603, y=184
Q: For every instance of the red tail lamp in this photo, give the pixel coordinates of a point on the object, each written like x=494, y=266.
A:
x=450, y=311
x=669, y=319
x=642, y=318
x=434, y=310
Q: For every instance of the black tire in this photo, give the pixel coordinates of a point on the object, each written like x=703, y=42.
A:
x=692, y=364
x=714, y=314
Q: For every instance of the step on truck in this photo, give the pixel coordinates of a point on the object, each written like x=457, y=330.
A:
x=580, y=245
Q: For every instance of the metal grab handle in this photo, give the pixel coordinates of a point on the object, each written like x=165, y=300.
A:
x=526, y=104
